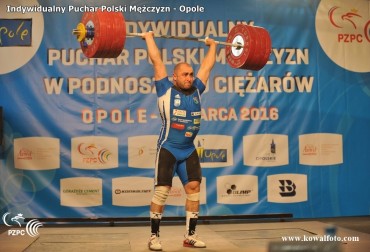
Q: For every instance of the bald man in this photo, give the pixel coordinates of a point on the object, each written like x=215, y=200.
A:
x=180, y=110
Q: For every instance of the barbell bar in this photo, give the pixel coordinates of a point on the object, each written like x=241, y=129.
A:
x=103, y=34
x=237, y=45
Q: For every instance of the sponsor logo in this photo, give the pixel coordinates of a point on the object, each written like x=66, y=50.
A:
x=237, y=189
x=207, y=155
x=36, y=153
x=287, y=188
x=177, y=102
x=320, y=149
x=265, y=150
x=24, y=153
x=32, y=226
x=232, y=190
x=179, y=112
x=197, y=121
x=269, y=156
x=214, y=150
x=184, y=120
x=84, y=192
x=94, y=152
x=178, y=126
x=198, y=113
x=193, y=128
x=309, y=150
x=188, y=134
x=81, y=192
x=273, y=147
x=142, y=151
x=132, y=191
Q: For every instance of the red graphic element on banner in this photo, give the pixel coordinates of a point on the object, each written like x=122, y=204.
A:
x=347, y=16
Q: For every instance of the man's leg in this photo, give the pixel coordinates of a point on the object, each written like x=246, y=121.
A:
x=163, y=181
x=192, y=206
x=192, y=190
x=156, y=211
x=157, y=207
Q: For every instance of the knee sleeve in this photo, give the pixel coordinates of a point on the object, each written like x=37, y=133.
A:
x=160, y=195
x=193, y=196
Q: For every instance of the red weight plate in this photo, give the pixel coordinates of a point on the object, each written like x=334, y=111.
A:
x=105, y=27
x=113, y=24
x=260, y=50
x=237, y=58
x=255, y=49
x=118, y=35
x=107, y=21
x=122, y=31
x=92, y=48
x=267, y=49
x=230, y=57
x=105, y=34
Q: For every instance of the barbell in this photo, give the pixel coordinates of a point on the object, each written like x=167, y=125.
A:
x=103, y=34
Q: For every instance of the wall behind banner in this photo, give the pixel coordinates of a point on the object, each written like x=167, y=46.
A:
x=80, y=134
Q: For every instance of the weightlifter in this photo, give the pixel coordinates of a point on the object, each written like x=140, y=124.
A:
x=179, y=107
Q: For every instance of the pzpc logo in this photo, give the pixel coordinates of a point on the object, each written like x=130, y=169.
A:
x=31, y=227
x=348, y=18
x=343, y=30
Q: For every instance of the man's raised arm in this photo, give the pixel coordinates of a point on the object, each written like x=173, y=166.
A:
x=160, y=71
x=208, y=61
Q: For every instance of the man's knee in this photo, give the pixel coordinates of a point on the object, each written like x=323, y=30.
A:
x=193, y=196
x=192, y=187
x=160, y=195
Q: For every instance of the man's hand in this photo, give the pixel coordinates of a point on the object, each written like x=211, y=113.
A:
x=146, y=35
x=209, y=41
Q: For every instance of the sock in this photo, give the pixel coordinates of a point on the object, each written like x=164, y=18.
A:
x=155, y=219
x=191, y=222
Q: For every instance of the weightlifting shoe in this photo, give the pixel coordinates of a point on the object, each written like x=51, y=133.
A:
x=193, y=241
x=154, y=243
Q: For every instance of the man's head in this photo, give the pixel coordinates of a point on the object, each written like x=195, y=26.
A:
x=183, y=76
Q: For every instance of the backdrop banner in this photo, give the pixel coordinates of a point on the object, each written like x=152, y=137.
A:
x=80, y=134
